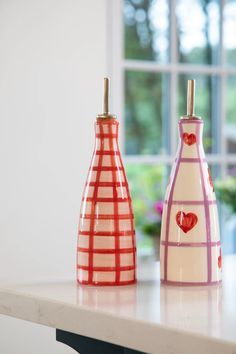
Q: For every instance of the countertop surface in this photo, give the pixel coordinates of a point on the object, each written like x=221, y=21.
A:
x=148, y=316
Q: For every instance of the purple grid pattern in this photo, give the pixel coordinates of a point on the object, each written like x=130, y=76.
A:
x=207, y=212
x=170, y=203
x=209, y=244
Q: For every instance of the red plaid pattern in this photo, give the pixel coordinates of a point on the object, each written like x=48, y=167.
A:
x=106, y=253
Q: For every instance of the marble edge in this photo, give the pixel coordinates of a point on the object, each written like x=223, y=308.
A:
x=123, y=331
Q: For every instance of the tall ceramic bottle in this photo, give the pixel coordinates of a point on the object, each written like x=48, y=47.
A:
x=190, y=240
x=106, y=252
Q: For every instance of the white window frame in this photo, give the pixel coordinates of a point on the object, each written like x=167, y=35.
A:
x=117, y=65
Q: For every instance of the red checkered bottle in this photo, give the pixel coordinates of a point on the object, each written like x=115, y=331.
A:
x=106, y=251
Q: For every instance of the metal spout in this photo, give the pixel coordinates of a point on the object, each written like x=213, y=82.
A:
x=106, y=113
x=191, y=101
x=191, y=98
x=106, y=96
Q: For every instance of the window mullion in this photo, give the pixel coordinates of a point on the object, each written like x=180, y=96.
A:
x=150, y=66
x=173, y=77
x=173, y=68
x=222, y=61
x=223, y=151
x=116, y=69
x=222, y=120
x=173, y=33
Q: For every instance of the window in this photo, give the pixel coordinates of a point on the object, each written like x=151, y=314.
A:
x=157, y=46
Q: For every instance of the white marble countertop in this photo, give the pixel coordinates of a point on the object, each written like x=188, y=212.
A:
x=146, y=317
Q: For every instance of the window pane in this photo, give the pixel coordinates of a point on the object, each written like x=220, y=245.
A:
x=146, y=113
x=229, y=27
x=215, y=171
x=226, y=195
x=198, y=31
x=230, y=126
x=231, y=170
x=205, y=105
x=146, y=29
x=147, y=185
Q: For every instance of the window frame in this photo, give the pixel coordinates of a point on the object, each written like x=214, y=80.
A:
x=117, y=65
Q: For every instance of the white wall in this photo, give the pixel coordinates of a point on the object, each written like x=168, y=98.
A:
x=53, y=56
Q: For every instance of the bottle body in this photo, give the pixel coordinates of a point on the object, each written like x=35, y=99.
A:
x=106, y=252
x=190, y=239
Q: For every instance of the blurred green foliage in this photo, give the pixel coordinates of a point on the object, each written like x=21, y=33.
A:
x=230, y=99
x=145, y=107
x=226, y=192
x=147, y=185
x=147, y=94
x=140, y=33
x=147, y=115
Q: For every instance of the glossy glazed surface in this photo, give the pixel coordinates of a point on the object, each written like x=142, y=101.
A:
x=190, y=240
x=106, y=253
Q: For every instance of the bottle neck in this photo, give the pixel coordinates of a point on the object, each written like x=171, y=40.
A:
x=106, y=133
x=190, y=131
x=190, y=139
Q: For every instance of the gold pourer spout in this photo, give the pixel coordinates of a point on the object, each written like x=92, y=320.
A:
x=191, y=101
x=106, y=113
x=190, y=98
x=106, y=96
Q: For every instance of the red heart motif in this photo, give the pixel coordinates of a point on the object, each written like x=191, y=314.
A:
x=189, y=139
x=210, y=180
x=220, y=260
x=186, y=221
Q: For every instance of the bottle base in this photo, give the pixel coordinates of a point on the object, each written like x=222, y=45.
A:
x=179, y=283
x=93, y=283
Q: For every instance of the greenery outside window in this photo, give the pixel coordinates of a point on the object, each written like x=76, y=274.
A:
x=157, y=46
